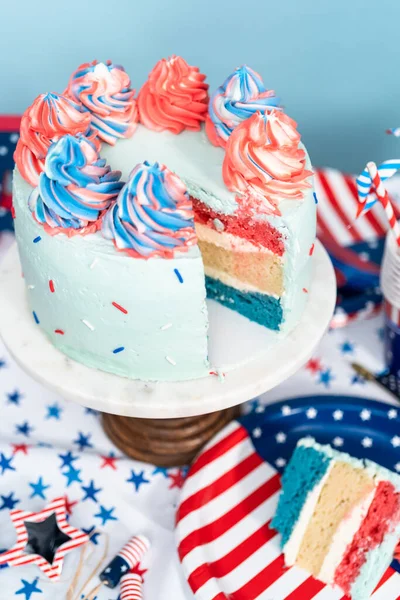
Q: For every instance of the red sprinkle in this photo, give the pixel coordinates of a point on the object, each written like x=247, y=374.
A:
x=121, y=308
x=51, y=286
x=305, y=290
x=312, y=250
x=12, y=209
x=60, y=331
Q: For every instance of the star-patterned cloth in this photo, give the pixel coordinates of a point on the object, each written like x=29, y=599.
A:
x=51, y=448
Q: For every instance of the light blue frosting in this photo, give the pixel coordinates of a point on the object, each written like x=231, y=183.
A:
x=153, y=213
x=76, y=185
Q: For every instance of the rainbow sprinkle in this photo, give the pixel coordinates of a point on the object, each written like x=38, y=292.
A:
x=179, y=276
x=166, y=326
x=35, y=317
x=312, y=250
x=119, y=307
x=51, y=286
x=96, y=260
x=31, y=287
x=59, y=331
x=315, y=198
x=37, y=239
x=170, y=360
x=117, y=350
x=88, y=325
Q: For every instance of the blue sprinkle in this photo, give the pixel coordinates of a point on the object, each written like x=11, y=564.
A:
x=37, y=239
x=315, y=198
x=179, y=276
x=35, y=317
x=120, y=349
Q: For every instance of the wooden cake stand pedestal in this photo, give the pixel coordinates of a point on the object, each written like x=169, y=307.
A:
x=167, y=423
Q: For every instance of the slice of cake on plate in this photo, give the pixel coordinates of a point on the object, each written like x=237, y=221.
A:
x=339, y=517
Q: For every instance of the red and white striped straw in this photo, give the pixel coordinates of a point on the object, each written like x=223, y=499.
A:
x=131, y=587
x=135, y=549
x=383, y=197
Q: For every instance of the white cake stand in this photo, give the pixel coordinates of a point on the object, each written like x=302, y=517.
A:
x=253, y=359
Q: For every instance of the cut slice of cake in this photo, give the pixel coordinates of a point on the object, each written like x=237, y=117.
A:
x=339, y=517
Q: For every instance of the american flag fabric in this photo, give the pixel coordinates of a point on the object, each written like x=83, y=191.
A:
x=9, y=128
x=354, y=245
x=225, y=543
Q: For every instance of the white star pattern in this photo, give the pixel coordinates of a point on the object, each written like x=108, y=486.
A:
x=395, y=441
x=281, y=437
x=286, y=410
x=280, y=462
x=14, y=138
x=392, y=414
x=365, y=415
x=367, y=442
x=260, y=408
x=3, y=150
x=364, y=256
x=338, y=442
x=338, y=415
x=123, y=568
x=311, y=413
x=397, y=467
x=257, y=432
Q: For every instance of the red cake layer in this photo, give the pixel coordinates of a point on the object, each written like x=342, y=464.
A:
x=383, y=513
x=258, y=233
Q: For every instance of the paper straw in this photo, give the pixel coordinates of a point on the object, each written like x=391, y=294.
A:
x=131, y=587
x=127, y=558
x=383, y=197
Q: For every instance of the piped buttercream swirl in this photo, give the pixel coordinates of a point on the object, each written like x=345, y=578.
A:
x=49, y=117
x=75, y=187
x=174, y=97
x=104, y=89
x=240, y=96
x=263, y=163
x=153, y=215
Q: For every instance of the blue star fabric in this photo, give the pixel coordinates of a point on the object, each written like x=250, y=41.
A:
x=137, y=479
x=29, y=588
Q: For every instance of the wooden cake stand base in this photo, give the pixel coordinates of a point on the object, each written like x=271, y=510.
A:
x=166, y=442
x=166, y=423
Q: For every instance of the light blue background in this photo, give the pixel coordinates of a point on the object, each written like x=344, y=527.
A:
x=335, y=63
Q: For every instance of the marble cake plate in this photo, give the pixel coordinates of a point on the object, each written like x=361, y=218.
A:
x=253, y=359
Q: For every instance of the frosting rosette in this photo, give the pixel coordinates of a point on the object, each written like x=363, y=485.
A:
x=263, y=163
x=75, y=187
x=104, y=89
x=49, y=117
x=153, y=215
x=174, y=97
x=240, y=96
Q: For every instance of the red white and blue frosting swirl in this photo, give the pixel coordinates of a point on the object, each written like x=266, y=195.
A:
x=49, y=117
x=75, y=187
x=153, y=215
x=104, y=89
x=240, y=96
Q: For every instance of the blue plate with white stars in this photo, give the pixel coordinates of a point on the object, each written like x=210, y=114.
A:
x=363, y=428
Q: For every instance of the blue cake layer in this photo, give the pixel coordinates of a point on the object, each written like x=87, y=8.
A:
x=304, y=471
x=261, y=308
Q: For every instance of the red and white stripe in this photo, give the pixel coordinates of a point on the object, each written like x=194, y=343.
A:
x=134, y=550
x=392, y=313
x=226, y=546
x=16, y=556
x=384, y=199
x=131, y=587
x=337, y=209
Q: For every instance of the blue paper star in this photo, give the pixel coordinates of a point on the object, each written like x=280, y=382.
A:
x=325, y=377
x=83, y=441
x=39, y=488
x=137, y=479
x=106, y=515
x=2, y=363
x=25, y=429
x=91, y=491
x=9, y=501
x=29, y=588
x=5, y=463
x=92, y=533
x=161, y=470
x=357, y=379
x=14, y=398
x=67, y=459
x=72, y=475
x=54, y=412
x=347, y=348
